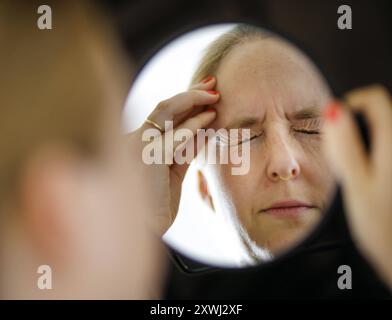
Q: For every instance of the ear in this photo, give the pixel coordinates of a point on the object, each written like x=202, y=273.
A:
x=50, y=189
x=203, y=190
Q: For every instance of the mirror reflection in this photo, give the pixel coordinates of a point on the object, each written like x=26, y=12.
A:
x=269, y=104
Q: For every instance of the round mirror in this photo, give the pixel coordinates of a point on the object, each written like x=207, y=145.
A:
x=260, y=184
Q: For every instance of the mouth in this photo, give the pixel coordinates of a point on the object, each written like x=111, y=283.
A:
x=288, y=209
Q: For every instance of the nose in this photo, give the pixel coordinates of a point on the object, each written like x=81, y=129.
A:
x=283, y=164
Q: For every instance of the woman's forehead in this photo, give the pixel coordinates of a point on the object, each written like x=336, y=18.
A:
x=257, y=80
x=290, y=102
x=271, y=62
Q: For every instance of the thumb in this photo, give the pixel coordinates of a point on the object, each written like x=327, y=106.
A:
x=344, y=148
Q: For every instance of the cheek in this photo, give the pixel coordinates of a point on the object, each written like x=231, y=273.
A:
x=316, y=171
x=238, y=189
x=310, y=145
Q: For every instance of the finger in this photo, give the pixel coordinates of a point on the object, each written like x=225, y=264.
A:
x=343, y=146
x=179, y=169
x=376, y=105
x=168, y=109
x=189, y=128
x=207, y=84
x=375, y=102
x=194, y=145
x=167, y=145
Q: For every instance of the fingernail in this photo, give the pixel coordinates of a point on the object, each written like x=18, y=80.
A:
x=211, y=110
x=332, y=111
x=208, y=79
x=212, y=92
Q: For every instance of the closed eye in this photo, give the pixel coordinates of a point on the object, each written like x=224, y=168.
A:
x=307, y=131
x=309, y=126
x=252, y=137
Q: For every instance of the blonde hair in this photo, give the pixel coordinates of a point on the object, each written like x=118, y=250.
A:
x=219, y=48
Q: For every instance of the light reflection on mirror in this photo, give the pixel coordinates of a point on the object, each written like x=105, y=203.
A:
x=271, y=88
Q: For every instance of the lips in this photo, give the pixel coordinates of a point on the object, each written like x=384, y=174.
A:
x=287, y=208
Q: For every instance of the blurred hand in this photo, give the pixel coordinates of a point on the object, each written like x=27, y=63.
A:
x=186, y=110
x=366, y=179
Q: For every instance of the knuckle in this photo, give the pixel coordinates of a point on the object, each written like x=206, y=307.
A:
x=187, y=96
x=183, y=98
x=197, y=95
x=162, y=105
x=193, y=94
x=194, y=86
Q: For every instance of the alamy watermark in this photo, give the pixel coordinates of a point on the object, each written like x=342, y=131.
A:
x=345, y=20
x=345, y=280
x=45, y=19
x=179, y=146
x=44, y=281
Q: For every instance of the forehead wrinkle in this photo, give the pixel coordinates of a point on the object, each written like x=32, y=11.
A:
x=302, y=114
x=269, y=60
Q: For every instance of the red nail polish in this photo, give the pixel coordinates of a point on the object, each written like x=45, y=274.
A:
x=332, y=111
x=212, y=92
x=208, y=79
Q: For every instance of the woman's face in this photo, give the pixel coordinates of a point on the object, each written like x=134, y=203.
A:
x=270, y=88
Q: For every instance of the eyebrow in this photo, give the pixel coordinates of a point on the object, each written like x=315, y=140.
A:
x=306, y=113
x=243, y=123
